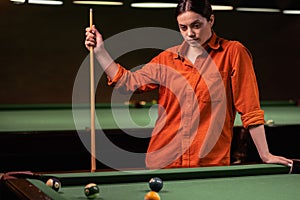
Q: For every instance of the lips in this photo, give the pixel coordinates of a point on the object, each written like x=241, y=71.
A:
x=192, y=41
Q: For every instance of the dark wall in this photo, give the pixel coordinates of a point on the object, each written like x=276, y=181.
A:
x=42, y=48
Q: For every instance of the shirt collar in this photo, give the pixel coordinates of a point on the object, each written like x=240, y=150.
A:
x=213, y=43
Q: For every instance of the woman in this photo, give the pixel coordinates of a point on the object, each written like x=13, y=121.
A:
x=202, y=83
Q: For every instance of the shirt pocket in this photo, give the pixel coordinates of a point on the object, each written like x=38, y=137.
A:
x=213, y=87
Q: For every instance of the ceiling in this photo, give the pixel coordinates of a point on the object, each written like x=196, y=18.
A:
x=284, y=6
x=281, y=4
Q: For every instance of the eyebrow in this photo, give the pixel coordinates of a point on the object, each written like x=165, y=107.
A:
x=194, y=22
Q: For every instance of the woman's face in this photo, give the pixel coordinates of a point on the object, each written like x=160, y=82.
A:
x=194, y=28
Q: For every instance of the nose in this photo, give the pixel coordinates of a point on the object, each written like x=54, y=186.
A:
x=190, y=33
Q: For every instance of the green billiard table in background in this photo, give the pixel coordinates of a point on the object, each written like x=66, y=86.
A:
x=49, y=137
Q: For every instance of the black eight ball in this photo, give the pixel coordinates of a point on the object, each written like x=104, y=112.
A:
x=155, y=184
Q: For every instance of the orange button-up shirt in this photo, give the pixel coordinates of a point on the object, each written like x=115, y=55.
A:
x=197, y=102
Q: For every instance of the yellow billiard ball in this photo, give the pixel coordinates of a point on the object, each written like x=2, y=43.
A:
x=270, y=122
x=54, y=183
x=91, y=190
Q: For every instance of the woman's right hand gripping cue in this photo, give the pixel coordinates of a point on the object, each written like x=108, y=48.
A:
x=93, y=39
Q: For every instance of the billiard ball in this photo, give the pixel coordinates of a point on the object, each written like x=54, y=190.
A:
x=91, y=190
x=156, y=184
x=270, y=122
x=152, y=196
x=54, y=183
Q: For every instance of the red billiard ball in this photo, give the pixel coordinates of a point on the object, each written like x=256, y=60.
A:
x=152, y=196
x=156, y=184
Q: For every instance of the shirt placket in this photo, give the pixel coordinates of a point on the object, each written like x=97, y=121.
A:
x=188, y=117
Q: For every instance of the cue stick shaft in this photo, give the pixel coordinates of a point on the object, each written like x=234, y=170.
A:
x=92, y=96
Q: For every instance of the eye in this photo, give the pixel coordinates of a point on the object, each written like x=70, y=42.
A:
x=197, y=25
x=183, y=28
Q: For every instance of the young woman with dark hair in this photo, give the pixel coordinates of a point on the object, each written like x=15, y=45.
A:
x=202, y=84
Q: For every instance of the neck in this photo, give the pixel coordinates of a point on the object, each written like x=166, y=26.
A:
x=193, y=52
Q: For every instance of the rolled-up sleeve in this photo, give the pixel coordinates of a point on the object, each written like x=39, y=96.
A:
x=120, y=73
x=244, y=87
x=253, y=118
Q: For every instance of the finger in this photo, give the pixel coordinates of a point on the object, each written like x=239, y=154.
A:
x=89, y=30
x=90, y=43
x=94, y=28
x=91, y=39
x=285, y=161
x=90, y=35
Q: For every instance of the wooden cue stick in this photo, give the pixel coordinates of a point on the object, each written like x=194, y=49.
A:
x=92, y=96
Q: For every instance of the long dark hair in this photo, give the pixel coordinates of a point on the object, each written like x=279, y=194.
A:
x=201, y=7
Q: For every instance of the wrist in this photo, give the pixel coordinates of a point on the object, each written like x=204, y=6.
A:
x=100, y=50
x=264, y=156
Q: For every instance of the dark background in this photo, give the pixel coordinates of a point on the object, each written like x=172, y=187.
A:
x=42, y=48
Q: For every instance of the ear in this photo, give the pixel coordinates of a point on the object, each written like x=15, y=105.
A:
x=212, y=20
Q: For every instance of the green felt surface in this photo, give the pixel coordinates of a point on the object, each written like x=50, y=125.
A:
x=63, y=117
x=258, y=181
x=250, y=187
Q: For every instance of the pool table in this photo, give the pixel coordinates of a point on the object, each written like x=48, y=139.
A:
x=50, y=135
x=247, y=182
x=63, y=117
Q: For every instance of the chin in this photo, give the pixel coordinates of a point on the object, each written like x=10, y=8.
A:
x=194, y=44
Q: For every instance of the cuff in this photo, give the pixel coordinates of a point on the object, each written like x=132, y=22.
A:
x=119, y=74
x=253, y=118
